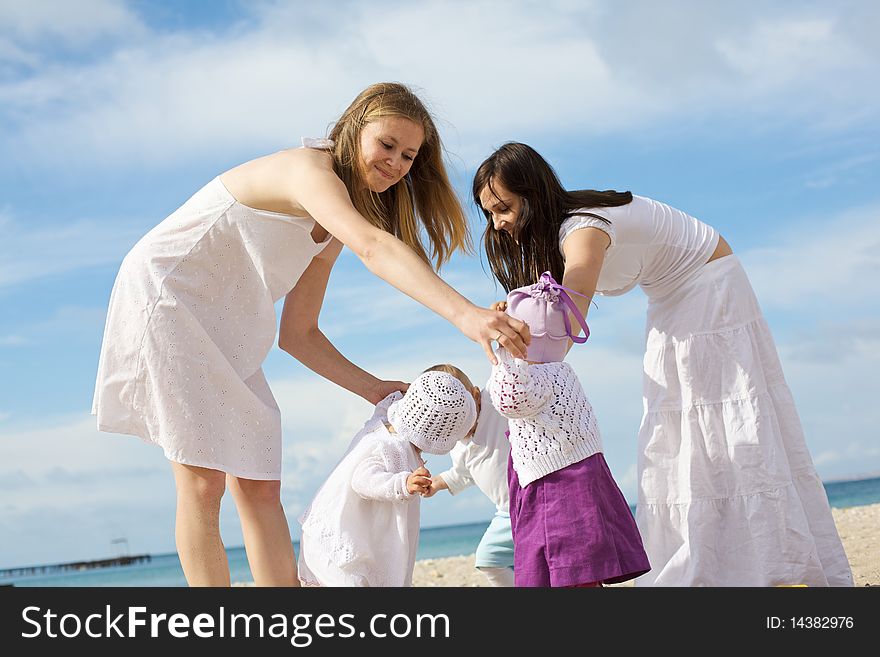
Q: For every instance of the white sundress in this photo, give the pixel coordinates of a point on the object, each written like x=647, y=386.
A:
x=728, y=494
x=190, y=322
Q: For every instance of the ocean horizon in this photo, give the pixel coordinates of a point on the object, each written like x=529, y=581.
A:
x=434, y=542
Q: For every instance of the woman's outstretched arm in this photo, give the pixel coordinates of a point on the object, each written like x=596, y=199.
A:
x=300, y=336
x=317, y=189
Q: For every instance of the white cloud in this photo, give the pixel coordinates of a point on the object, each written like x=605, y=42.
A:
x=556, y=68
x=854, y=451
x=69, y=489
x=29, y=253
x=831, y=262
x=71, y=321
x=775, y=53
x=72, y=442
x=73, y=23
x=849, y=169
x=12, y=56
x=826, y=457
x=836, y=341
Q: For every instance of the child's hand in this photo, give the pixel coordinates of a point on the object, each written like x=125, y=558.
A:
x=437, y=484
x=500, y=306
x=419, y=481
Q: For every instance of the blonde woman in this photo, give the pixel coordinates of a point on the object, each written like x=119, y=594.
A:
x=192, y=318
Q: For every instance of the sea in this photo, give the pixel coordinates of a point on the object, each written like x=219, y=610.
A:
x=434, y=542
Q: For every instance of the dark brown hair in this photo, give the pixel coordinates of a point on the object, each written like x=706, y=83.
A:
x=520, y=259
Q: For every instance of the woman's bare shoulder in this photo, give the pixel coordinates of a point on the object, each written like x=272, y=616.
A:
x=307, y=156
x=269, y=182
x=283, y=161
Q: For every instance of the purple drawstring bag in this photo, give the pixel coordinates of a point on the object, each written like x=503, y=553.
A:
x=544, y=306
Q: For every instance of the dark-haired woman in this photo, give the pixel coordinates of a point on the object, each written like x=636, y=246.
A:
x=728, y=494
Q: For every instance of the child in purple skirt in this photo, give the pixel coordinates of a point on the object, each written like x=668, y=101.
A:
x=571, y=524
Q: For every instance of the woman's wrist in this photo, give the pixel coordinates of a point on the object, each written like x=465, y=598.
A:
x=372, y=390
x=462, y=312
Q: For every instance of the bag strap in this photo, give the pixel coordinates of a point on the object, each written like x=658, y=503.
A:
x=564, y=292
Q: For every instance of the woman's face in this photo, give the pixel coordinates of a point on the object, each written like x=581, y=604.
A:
x=503, y=206
x=389, y=146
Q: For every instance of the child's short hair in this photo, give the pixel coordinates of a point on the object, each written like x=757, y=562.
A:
x=454, y=371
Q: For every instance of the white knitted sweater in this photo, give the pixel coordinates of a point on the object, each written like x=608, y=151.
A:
x=551, y=422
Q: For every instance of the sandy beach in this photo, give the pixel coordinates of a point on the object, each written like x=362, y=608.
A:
x=859, y=529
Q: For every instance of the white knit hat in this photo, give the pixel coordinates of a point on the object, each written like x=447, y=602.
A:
x=436, y=411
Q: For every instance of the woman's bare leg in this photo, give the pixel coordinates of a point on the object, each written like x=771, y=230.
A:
x=197, y=528
x=266, y=532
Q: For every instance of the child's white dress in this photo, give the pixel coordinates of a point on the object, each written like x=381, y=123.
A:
x=362, y=527
x=191, y=319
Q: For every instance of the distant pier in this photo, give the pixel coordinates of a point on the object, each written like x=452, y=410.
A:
x=49, y=569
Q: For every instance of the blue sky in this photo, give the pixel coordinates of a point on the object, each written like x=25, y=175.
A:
x=760, y=118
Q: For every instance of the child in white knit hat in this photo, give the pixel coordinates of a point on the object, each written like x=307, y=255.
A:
x=362, y=527
x=481, y=460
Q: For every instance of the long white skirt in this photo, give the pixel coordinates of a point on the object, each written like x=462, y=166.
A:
x=728, y=494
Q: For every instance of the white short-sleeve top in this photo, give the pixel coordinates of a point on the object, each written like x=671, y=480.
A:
x=652, y=245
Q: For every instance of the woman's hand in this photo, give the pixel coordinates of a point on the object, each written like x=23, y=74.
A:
x=487, y=326
x=499, y=305
x=384, y=388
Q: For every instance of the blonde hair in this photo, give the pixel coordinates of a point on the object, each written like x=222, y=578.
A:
x=452, y=370
x=426, y=193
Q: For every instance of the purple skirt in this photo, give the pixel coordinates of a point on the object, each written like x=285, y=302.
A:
x=573, y=527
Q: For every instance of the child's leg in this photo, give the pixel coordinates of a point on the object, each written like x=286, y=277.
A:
x=498, y=576
x=197, y=527
x=266, y=533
